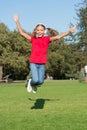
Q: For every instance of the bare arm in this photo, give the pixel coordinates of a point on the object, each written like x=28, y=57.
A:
x=27, y=36
x=72, y=29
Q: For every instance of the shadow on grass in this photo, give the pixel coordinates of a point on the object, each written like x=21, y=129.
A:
x=39, y=103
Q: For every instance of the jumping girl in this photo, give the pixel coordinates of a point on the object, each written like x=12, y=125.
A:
x=40, y=43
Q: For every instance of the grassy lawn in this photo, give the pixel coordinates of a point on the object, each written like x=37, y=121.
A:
x=57, y=105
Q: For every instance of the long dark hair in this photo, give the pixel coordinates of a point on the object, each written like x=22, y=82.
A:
x=51, y=32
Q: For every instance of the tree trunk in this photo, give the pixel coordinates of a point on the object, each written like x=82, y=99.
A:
x=1, y=71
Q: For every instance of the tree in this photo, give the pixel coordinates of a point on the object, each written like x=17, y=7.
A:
x=82, y=26
x=14, y=53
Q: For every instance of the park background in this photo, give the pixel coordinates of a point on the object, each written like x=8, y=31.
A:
x=58, y=104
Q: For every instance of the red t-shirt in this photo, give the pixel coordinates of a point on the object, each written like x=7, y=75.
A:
x=39, y=49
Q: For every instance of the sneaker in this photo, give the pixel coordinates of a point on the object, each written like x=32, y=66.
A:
x=29, y=87
x=34, y=90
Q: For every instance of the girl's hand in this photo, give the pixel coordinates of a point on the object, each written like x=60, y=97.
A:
x=72, y=29
x=15, y=18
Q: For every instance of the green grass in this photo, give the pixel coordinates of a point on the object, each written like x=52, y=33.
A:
x=57, y=105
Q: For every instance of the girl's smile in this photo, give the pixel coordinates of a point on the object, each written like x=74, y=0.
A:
x=40, y=31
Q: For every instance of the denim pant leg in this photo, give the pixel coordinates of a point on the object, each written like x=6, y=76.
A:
x=41, y=73
x=37, y=71
x=34, y=73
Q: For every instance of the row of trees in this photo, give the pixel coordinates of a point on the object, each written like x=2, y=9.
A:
x=65, y=57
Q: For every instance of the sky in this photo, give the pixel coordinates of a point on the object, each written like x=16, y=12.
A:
x=57, y=14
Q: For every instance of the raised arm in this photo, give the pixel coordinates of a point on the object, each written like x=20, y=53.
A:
x=27, y=36
x=72, y=29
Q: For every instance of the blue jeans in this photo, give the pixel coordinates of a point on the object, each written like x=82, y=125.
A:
x=38, y=73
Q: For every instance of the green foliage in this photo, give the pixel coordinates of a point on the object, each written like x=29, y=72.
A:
x=14, y=54
x=82, y=26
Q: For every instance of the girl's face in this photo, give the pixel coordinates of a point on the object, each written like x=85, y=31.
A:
x=40, y=31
